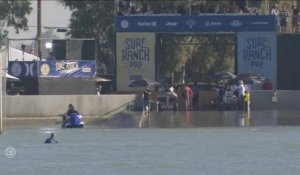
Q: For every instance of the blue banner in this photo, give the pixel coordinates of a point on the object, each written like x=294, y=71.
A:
x=204, y=23
x=66, y=68
x=28, y=69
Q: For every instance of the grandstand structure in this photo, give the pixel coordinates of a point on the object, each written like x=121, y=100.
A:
x=207, y=19
x=137, y=54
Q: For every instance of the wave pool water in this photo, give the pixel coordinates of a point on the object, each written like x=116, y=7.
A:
x=267, y=150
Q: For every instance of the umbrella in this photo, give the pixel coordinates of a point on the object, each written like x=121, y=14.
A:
x=101, y=79
x=251, y=78
x=223, y=76
x=252, y=81
x=143, y=83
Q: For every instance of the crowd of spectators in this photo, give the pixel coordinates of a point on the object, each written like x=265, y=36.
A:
x=129, y=7
x=282, y=15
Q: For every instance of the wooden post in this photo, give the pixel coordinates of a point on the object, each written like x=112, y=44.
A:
x=39, y=28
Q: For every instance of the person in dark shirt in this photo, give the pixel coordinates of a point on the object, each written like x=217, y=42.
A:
x=295, y=18
x=51, y=139
x=283, y=15
x=51, y=57
x=70, y=111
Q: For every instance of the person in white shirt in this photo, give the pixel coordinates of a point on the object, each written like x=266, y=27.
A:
x=241, y=89
x=276, y=12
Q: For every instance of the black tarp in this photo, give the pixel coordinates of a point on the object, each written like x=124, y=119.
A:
x=288, y=62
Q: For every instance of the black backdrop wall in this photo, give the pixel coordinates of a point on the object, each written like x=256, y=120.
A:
x=288, y=62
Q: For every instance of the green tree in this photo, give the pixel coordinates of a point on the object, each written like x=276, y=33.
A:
x=94, y=19
x=13, y=14
x=183, y=59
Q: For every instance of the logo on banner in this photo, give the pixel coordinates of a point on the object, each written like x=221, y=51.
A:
x=86, y=69
x=173, y=24
x=67, y=67
x=45, y=69
x=29, y=69
x=147, y=24
x=16, y=69
x=136, y=53
x=212, y=23
x=124, y=24
x=236, y=23
x=257, y=51
x=190, y=23
x=260, y=23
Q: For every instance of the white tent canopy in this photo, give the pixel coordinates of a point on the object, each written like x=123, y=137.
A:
x=16, y=54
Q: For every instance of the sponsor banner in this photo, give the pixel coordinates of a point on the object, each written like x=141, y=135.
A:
x=135, y=58
x=22, y=68
x=257, y=53
x=51, y=68
x=85, y=68
x=204, y=23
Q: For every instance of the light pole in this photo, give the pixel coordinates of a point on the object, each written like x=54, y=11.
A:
x=39, y=27
x=23, y=49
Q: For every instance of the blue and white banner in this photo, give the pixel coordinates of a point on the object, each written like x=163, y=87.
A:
x=204, y=23
x=66, y=68
x=28, y=69
x=257, y=53
x=135, y=58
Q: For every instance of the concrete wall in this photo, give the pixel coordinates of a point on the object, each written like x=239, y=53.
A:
x=53, y=105
x=287, y=100
x=260, y=100
x=93, y=105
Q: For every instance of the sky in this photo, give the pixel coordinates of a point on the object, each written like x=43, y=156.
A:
x=53, y=14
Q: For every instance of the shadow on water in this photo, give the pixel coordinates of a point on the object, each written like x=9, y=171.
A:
x=194, y=119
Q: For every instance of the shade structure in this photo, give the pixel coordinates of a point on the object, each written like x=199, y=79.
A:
x=220, y=76
x=143, y=83
x=251, y=78
x=101, y=79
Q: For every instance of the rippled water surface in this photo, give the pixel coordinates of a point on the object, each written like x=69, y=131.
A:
x=182, y=145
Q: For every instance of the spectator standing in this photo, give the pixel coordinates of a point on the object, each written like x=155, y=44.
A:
x=188, y=95
x=295, y=18
x=51, y=57
x=246, y=101
x=132, y=10
x=98, y=89
x=275, y=12
x=221, y=92
x=284, y=14
x=181, y=10
x=267, y=85
x=195, y=90
x=241, y=91
x=146, y=100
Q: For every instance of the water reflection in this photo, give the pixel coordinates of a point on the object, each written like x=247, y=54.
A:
x=244, y=120
x=194, y=119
